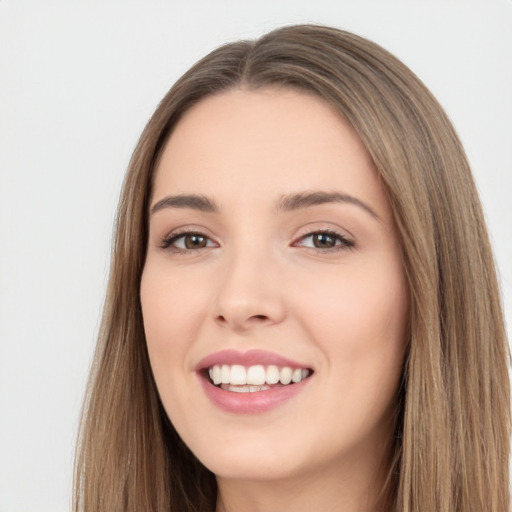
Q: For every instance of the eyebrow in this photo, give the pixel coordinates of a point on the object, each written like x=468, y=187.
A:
x=306, y=199
x=192, y=201
x=286, y=203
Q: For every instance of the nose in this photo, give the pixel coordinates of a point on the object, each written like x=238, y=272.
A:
x=249, y=294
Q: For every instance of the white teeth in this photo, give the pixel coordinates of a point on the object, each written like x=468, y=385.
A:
x=252, y=389
x=239, y=389
x=256, y=375
x=272, y=375
x=238, y=375
x=297, y=375
x=254, y=378
x=244, y=389
x=217, y=375
x=225, y=374
x=286, y=375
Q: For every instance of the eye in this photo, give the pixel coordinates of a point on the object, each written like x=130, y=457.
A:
x=187, y=241
x=325, y=240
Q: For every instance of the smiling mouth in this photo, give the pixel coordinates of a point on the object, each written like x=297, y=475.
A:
x=240, y=379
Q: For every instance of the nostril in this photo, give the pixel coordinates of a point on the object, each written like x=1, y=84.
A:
x=239, y=319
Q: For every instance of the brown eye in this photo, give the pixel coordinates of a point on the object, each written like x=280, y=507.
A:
x=195, y=241
x=187, y=242
x=323, y=240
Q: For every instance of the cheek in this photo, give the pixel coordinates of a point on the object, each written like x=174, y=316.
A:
x=171, y=312
x=359, y=321
x=172, y=309
x=171, y=304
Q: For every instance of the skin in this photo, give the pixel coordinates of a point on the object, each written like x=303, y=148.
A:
x=260, y=282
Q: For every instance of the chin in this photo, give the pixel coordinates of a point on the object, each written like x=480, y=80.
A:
x=251, y=460
x=254, y=469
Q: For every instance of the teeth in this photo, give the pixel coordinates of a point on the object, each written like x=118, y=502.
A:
x=252, y=389
x=239, y=389
x=286, y=375
x=238, y=375
x=256, y=375
x=225, y=374
x=216, y=375
x=297, y=375
x=254, y=378
x=244, y=389
x=272, y=375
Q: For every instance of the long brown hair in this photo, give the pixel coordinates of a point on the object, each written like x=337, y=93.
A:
x=451, y=439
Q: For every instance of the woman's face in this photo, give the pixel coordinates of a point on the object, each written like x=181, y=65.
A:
x=273, y=256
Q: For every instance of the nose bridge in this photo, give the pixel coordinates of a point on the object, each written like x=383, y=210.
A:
x=248, y=291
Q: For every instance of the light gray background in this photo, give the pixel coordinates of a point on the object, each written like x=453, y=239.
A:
x=78, y=80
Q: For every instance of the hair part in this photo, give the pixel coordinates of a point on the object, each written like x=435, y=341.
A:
x=450, y=445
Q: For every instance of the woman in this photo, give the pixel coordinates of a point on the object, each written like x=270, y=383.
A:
x=302, y=309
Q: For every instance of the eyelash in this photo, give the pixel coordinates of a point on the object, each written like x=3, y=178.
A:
x=344, y=242
x=168, y=241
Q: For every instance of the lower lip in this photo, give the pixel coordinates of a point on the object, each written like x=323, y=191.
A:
x=252, y=402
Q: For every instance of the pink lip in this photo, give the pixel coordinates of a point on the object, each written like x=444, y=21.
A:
x=248, y=403
x=251, y=403
x=249, y=358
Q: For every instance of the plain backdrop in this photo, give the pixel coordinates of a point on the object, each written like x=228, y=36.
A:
x=78, y=81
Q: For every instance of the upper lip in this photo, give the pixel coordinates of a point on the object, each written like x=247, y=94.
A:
x=248, y=358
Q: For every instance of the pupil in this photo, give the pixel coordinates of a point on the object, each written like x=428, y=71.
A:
x=323, y=241
x=195, y=241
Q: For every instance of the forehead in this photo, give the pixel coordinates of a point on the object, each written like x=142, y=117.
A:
x=266, y=142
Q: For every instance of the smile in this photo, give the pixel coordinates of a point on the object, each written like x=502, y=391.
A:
x=251, y=382
x=239, y=379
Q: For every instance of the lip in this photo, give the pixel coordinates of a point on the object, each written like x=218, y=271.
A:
x=251, y=403
x=249, y=358
x=248, y=403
